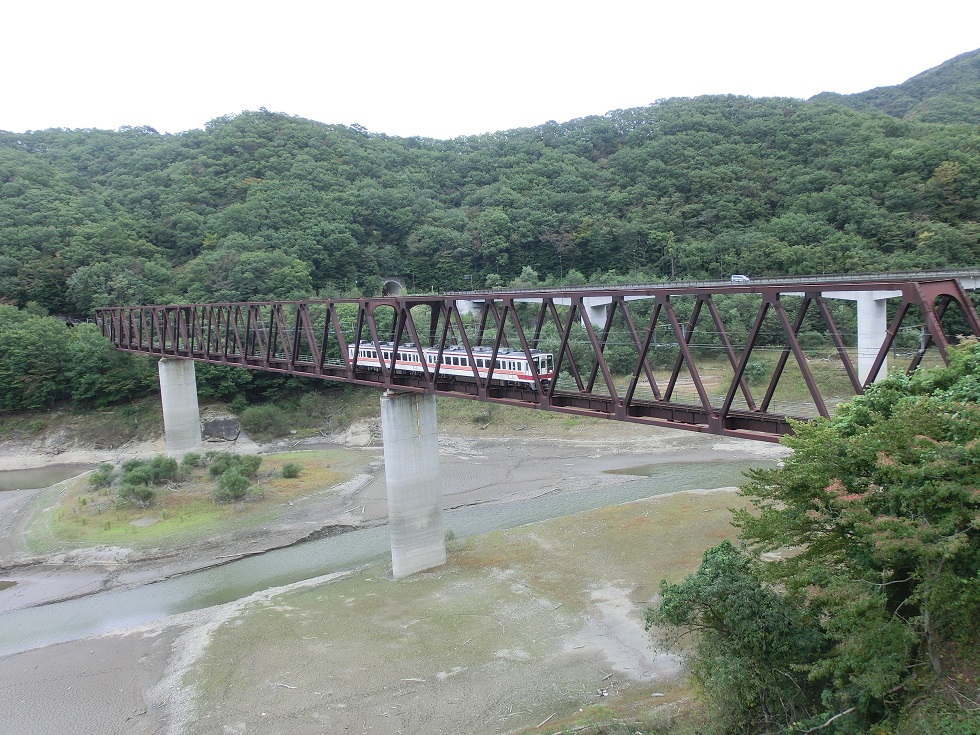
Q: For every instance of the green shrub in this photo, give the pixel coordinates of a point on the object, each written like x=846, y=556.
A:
x=191, y=459
x=238, y=405
x=232, y=485
x=142, y=495
x=248, y=464
x=756, y=373
x=102, y=476
x=132, y=464
x=163, y=468
x=138, y=475
x=267, y=420
x=220, y=462
x=291, y=470
x=483, y=417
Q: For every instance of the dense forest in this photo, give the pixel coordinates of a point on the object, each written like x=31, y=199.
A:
x=265, y=205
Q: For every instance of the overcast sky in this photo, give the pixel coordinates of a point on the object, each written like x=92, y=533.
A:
x=440, y=69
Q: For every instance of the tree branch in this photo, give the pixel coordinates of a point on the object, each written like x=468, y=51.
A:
x=830, y=721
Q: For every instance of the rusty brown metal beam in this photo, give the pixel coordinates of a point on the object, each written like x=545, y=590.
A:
x=286, y=337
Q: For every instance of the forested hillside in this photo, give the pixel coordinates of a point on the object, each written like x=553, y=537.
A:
x=946, y=94
x=264, y=205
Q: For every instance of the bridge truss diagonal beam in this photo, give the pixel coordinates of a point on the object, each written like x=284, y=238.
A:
x=675, y=355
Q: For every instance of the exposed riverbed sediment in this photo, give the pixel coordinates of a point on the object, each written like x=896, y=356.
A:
x=545, y=617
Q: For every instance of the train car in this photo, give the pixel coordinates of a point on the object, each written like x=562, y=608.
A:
x=511, y=366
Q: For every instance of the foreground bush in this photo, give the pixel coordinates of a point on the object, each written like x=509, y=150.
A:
x=872, y=623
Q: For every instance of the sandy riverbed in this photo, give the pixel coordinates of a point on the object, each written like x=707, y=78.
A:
x=507, y=634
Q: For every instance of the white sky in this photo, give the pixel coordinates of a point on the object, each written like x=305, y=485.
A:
x=440, y=69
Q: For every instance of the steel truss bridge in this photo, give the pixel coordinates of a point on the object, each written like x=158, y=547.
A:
x=737, y=359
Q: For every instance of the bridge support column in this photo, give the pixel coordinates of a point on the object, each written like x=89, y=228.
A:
x=596, y=310
x=411, y=451
x=181, y=415
x=872, y=326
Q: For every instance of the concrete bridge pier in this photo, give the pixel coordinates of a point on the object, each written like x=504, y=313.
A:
x=872, y=327
x=181, y=414
x=414, y=482
x=596, y=310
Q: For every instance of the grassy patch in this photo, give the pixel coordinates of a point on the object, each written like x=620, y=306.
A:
x=181, y=511
x=103, y=429
x=310, y=414
x=23, y=424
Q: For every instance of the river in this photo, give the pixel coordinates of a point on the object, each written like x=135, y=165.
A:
x=116, y=610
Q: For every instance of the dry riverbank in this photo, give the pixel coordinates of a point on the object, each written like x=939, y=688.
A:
x=520, y=626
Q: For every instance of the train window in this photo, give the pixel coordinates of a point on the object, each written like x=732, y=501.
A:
x=464, y=361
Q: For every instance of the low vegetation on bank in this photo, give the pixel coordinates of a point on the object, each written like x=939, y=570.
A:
x=144, y=502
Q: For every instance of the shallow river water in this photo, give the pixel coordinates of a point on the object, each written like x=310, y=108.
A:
x=106, y=612
x=39, y=477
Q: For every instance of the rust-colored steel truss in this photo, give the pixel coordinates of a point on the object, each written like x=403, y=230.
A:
x=739, y=360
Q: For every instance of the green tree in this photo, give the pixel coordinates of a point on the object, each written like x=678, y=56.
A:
x=98, y=374
x=32, y=353
x=875, y=519
x=750, y=641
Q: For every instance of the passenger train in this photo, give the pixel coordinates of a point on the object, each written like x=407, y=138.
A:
x=511, y=366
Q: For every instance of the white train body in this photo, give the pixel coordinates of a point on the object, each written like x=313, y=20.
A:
x=511, y=366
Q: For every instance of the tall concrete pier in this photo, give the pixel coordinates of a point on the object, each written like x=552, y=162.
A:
x=181, y=415
x=414, y=482
x=872, y=327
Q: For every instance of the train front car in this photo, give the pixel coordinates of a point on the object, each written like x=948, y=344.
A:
x=510, y=367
